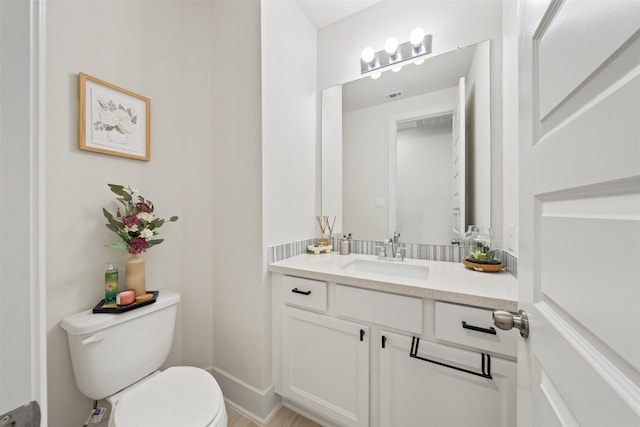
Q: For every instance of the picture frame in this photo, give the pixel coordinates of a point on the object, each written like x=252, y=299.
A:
x=113, y=120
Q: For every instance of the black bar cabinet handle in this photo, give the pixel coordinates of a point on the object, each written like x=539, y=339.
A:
x=486, y=361
x=298, y=291
x=361, y=334
x=384, y=341
x=489, y=330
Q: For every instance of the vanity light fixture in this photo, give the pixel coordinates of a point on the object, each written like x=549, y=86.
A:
x=395, y=54
x=369, y=58
x=416, y=38
x=391, y=47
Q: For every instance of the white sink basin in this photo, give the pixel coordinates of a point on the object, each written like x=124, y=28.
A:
x=387, y=268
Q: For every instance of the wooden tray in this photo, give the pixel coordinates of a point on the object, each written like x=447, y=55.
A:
x=319, y=249
x=489, y=268
x=122, y=309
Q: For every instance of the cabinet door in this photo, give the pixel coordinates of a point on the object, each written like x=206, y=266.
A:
x=325, y=365
x=414, y=392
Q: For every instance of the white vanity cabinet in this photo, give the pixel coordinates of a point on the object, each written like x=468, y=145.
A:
x=362, y=357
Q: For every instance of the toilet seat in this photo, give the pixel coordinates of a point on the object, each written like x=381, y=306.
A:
x=179, y=396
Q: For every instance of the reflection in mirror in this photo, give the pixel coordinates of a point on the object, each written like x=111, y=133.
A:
x=424, y=156
x=400, y=168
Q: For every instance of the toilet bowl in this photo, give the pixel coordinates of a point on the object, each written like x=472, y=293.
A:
x=177, y=396
x=117, y=357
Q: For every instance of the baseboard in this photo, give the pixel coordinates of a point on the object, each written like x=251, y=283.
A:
x=258, y=405
x=310, y=415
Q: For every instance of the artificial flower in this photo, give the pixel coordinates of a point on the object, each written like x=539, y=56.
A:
x=137, y=224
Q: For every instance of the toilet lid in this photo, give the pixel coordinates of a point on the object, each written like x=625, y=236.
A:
x=179, y=396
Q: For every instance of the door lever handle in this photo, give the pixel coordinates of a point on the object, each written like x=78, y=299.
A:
x=505, y=321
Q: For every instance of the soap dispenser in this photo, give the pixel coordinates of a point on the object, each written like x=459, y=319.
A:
x=344, y=246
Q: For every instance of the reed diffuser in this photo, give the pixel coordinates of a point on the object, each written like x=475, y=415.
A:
x=326, y=229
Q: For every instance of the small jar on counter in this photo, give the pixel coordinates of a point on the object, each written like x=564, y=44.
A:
x=345, y=246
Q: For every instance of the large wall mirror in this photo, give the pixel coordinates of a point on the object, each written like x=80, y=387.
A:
x=409, y=152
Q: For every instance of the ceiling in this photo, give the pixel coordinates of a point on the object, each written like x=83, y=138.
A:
x=325, y=12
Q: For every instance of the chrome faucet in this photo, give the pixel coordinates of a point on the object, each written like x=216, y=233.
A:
x=395, y=237
x=390, y=249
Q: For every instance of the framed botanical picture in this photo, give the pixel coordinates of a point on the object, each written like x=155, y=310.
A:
x=112, y=120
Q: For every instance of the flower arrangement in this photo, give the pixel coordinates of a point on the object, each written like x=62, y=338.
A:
x=136, y=225
x=112, y=117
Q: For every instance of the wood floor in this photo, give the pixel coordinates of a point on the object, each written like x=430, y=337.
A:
x=284, y=418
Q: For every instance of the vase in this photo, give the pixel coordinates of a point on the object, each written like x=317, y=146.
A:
x=478, y=241
x=324, y=240
x=472, y=231
x=135, y=275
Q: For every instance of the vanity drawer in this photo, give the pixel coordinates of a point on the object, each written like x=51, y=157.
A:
x=304, y=293
x=394, y=311
x=472, y=326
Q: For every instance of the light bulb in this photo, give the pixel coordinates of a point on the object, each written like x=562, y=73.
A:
x=396, y=68
x=368, y=55
x=376, y=75
x=416, y=37
x=420, y=61
x=391, y=46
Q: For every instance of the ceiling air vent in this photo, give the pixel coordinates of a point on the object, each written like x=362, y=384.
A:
x=392, y=95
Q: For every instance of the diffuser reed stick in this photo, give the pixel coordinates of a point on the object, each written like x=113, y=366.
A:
x=326, y=229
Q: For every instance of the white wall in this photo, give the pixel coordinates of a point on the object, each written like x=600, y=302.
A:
x=289, y=184
x=288, y=122
x=162, y=50
x=452, y=23
x=241, y=309
x=200, y=64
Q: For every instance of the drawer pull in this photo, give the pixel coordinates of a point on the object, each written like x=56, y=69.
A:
x=486, y=361
x=491, y=330
x=361, y=334
x=384, y=341
x=298, y=291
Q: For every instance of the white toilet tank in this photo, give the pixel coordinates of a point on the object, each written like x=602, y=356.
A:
x=109, y=352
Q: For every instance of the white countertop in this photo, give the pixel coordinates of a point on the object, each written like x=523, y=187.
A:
x=448, y=281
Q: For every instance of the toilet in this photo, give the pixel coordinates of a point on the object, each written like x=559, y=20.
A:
x=117, y=357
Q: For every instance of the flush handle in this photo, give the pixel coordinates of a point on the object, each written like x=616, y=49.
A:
x=506, y=321
x=93, y=339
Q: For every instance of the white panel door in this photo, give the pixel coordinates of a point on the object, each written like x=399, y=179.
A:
x=325, y=365
x=579, y=268
x=459, y=178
